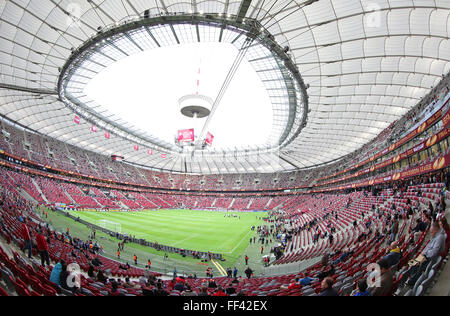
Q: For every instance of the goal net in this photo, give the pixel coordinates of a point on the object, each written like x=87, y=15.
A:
x=110, y=225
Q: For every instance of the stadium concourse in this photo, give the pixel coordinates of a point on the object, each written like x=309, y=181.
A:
x=224, y=148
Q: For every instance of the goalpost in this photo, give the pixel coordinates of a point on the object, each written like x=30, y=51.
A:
x=110, y=225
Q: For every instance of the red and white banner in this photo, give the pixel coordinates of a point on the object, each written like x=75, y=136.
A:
x=163, y=155
x=94, y=128
x=77, y=119
x=446, y=118
x=136, y=147
x=209, y=139
x=186, y=135
x=107, y=135
x=150, y=152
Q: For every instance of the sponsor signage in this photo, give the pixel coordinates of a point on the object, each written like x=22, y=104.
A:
x=442, y=113
x=186, y=136
x=444, y=133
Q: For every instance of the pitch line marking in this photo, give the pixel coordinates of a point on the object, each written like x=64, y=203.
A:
x=246, y=236
x=181, y=241
x=219, y=267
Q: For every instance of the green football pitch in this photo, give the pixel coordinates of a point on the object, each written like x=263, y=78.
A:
x=193, y=230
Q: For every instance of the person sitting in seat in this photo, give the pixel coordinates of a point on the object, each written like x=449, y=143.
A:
x=432, y=251
x=445, y=229
x=384, y=286
x=55, y=275
x=344, y=256
x=67, y=281
x=420, y=227
x=159, y=291
x=127, y=283
x=203, y=291
x=188, y=291
x=96, y=262
x=327, y=288
x=294, y=285
x=2, y=222
x=230, y=290
x=394, y=255
x=361, y=289
x=378, y=236
x=172, y=283
x=220, y=292
x=91, y=272
x=73, y=254
x=114, y=290
x=327, y=269
x=101, y=277
x=307, y=280
x=123, y=267
x=179, y=286
x=212, y=284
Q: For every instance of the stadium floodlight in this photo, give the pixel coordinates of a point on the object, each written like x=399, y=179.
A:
x=195, y=106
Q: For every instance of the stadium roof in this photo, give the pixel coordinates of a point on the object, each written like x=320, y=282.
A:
x=366, y=63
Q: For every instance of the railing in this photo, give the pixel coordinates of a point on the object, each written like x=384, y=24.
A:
x=290, y=268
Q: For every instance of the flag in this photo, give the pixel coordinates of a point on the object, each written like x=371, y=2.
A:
x=94, y=128
x=107, y=135
x=77, y=119
x=150, y=152
x=136, y=147
x=209, y=139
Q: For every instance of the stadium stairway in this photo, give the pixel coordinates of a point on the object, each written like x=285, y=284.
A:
x=26, y=196
x=69, y=196
x=122, y=205
x=39, y=190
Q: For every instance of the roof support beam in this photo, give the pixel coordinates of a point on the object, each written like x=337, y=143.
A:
x=245, y=4
x=25, y=89
x=289, y=162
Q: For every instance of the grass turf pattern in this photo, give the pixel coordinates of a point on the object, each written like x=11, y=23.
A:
x=188, y=229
